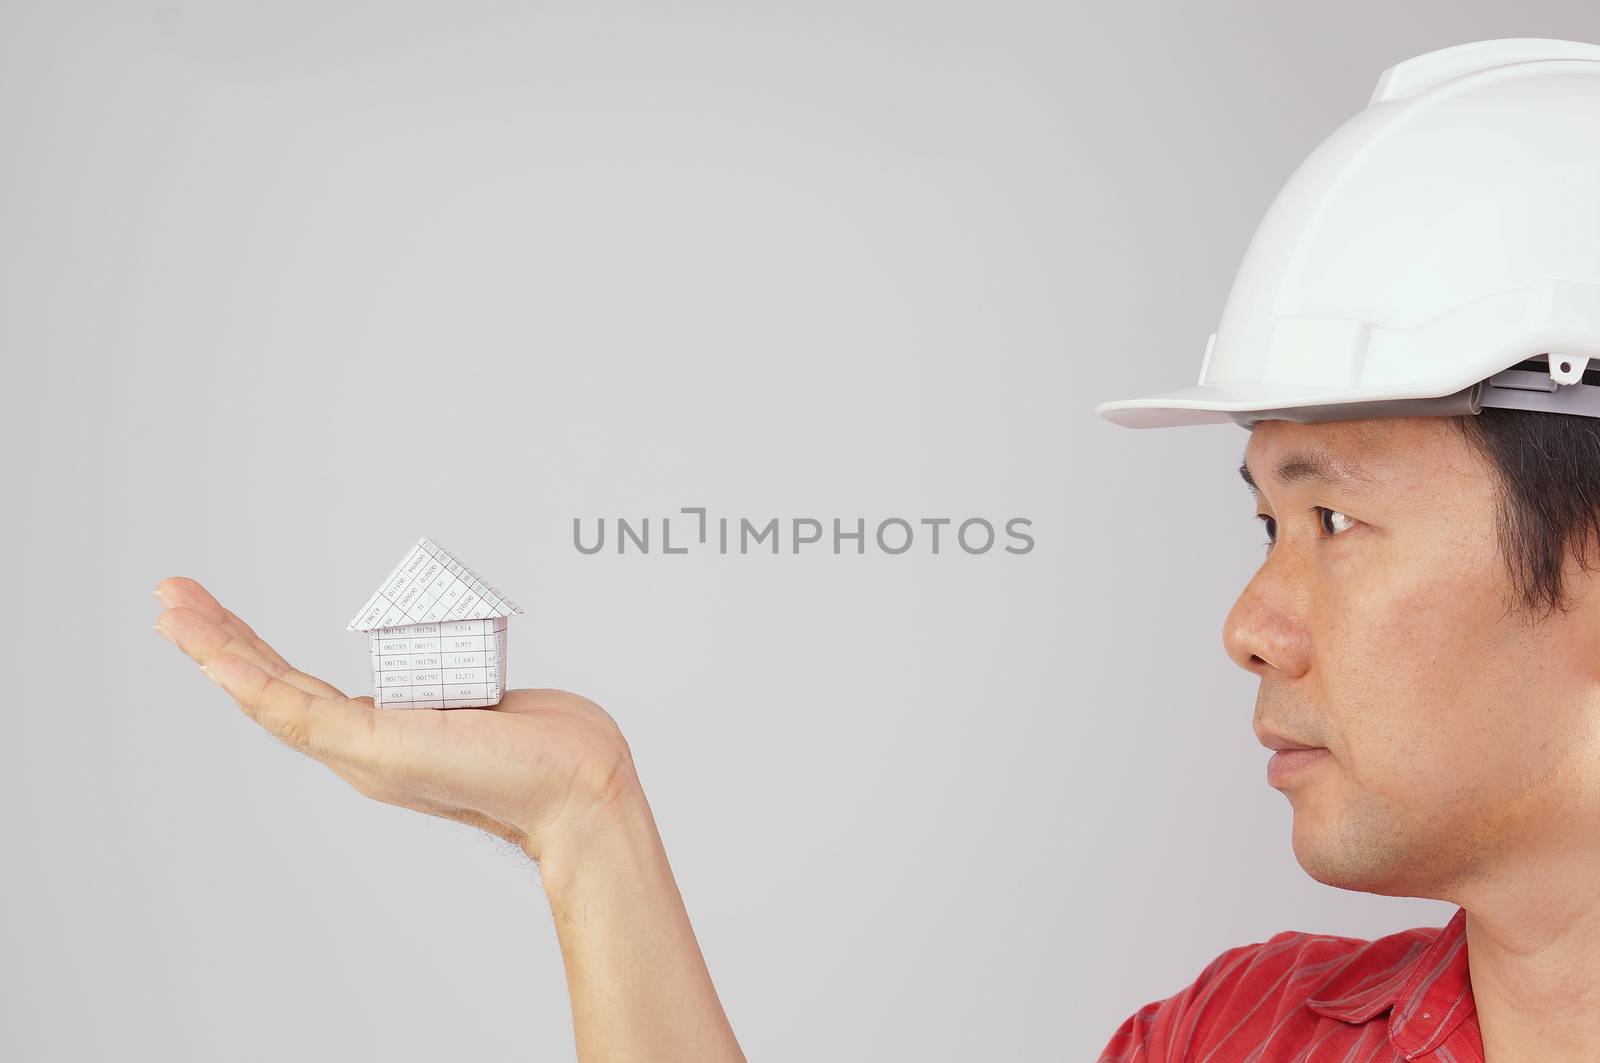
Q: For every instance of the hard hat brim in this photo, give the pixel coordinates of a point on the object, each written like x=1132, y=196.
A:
x=1218, y=403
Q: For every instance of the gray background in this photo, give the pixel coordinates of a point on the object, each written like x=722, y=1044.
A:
x=288, y=285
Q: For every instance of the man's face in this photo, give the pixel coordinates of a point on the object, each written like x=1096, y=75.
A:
x=1460, y=730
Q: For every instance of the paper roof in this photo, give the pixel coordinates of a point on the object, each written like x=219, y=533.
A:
x=429, y=586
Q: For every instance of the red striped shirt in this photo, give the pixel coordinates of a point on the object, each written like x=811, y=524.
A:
x=1309, y=998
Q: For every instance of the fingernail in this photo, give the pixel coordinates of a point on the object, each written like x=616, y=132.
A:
x=160, y=597
x=165, y=634
x=210, y=674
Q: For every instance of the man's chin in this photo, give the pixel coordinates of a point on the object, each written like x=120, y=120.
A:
x=1344, y=861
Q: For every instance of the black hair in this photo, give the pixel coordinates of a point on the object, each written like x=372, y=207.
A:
x=1548, y=467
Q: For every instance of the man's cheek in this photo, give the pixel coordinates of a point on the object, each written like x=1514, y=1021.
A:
x=1407, y=639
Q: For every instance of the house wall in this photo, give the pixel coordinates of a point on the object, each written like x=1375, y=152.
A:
x=455, y=665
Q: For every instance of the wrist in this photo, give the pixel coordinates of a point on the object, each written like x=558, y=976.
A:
x=614, y=836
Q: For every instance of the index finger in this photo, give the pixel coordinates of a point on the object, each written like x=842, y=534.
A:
x=329, y=729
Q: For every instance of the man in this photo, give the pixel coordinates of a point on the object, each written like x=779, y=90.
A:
x=1409, y=341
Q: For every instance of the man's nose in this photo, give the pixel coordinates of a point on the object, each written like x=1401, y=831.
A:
x=1266, y=627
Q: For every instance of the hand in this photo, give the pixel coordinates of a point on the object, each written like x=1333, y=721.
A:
x=538, y=769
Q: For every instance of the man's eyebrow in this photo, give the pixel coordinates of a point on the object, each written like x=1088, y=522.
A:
x=1306, y=465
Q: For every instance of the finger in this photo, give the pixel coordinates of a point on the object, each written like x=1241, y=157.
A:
x=194, y=628
x=329, y=729
x=202, y=639
x=181, y=590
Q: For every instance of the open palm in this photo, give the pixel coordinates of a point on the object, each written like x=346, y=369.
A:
x=527, y=770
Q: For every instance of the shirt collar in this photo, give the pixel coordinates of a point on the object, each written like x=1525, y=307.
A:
x=1419, y=976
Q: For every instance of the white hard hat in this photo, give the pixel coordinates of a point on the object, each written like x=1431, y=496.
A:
x=1437, y=253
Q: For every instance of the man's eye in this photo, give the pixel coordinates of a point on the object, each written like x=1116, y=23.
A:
x=1332, y=522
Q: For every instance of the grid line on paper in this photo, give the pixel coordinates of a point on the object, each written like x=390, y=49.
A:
x=457, y=676
x=437, y=633
x=400, y=598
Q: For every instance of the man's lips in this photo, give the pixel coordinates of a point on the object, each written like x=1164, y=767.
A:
x=1277, y=741
x=1290, y=755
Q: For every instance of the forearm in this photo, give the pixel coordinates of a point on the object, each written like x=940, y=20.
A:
x=639, y=984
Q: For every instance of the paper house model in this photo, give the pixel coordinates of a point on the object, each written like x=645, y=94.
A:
x=438, y=634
